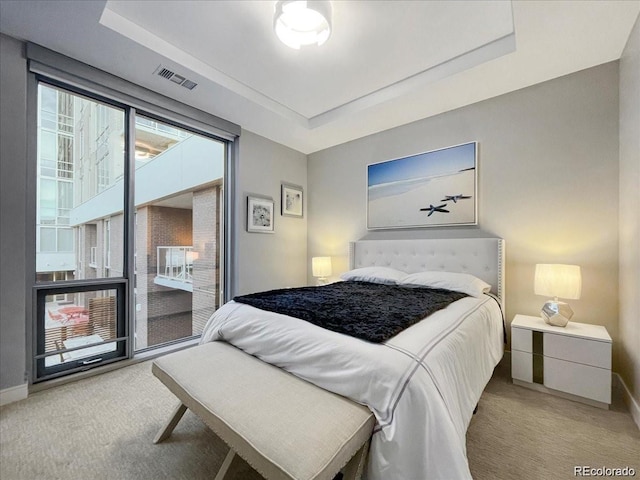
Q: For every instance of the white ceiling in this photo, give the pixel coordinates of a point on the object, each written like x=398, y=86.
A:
x=387, y=63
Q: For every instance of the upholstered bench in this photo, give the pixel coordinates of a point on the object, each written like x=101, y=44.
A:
x=284, y=427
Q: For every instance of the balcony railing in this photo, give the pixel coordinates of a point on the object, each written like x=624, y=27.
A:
x=175, y=266
x=161, y=128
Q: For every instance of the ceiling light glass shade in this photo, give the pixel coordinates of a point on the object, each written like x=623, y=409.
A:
x=300, y=22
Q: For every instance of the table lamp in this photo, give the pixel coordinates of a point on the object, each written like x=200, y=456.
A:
x=321, y=268
x=557, y=281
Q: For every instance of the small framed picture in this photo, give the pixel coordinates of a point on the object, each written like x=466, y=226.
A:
x=259, y=214
x=292, y=197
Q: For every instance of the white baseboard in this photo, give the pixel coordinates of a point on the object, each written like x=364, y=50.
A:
x=13, y=394
x=629, y=401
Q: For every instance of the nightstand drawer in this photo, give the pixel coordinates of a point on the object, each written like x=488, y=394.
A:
x=522, y=366
x=578, y=379
x=579, y=350
x=521, y=339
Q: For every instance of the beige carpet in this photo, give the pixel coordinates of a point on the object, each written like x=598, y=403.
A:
x=522, y=434
x=102, y=427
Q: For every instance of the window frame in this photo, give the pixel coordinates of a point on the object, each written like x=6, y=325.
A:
x=43, y=373
x=75, y=77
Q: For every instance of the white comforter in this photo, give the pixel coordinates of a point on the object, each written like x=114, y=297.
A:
x=422, y=385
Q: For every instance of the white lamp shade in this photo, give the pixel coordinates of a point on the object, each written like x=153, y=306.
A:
x=558, y=280
x=321, y=266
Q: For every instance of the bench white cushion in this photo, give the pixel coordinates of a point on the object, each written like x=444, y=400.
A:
x=284, y=427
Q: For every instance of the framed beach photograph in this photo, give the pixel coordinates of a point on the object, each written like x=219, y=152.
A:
x=259, y=214
x=432, y=189
x=291, y=200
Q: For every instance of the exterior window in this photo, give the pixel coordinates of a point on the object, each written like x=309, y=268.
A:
x=65, y=156
x=64, y=202
x=48, y=109
x=107, y=244
x=65, y=240
x=83, y=232
x=102, y=148
x=93, y=259
x=47, y=154
x=65, y=112
x=47, y=239
x=47, y=202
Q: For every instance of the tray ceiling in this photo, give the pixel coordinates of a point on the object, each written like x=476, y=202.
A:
x=387, y=62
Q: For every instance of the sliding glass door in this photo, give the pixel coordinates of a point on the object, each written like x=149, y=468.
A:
x=121, y=268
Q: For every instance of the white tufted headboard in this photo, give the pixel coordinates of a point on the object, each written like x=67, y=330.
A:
x=482, y=257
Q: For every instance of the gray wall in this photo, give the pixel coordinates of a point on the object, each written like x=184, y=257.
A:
x=13, y=98
x=548, y=181
x=548, y=185
x=630, y=214
x=263, y=260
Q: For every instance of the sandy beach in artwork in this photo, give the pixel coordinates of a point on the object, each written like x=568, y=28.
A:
x=398, y=204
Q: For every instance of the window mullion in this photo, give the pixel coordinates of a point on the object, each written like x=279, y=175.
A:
x=129, y=222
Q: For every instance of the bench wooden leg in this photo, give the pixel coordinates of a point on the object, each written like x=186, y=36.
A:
x=165, y=431
x=225, y=465
x=355, y=468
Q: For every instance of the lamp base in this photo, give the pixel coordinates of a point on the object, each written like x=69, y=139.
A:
x=556, y=313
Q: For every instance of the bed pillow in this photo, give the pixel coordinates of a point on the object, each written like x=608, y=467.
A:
x=384, y=275
x=458, y=282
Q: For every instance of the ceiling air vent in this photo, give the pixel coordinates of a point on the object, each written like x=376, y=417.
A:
x=165, y=72
x=175, y=78
x=189, y=84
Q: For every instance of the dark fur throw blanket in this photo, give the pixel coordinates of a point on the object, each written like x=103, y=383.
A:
x=368, y=311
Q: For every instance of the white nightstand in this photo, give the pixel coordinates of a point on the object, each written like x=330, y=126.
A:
x=573, y=361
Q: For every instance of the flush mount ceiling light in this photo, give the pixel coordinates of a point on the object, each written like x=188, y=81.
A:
x=300, y=22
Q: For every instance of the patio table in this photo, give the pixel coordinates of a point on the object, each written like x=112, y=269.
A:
x=72, y=312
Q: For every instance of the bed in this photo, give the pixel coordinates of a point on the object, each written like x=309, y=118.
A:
x=423, y=383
